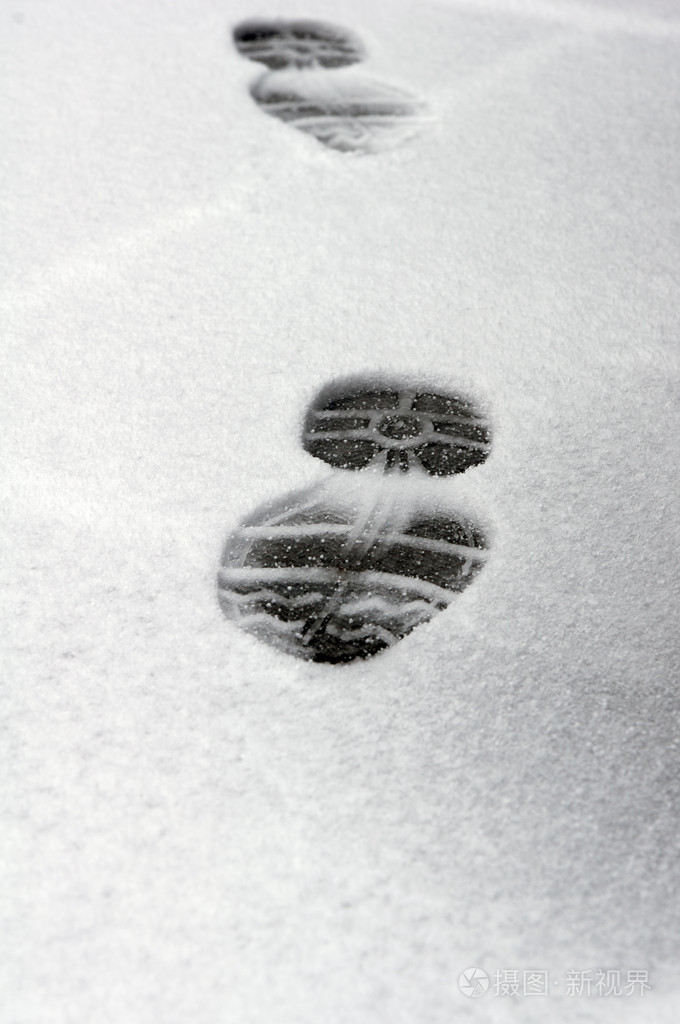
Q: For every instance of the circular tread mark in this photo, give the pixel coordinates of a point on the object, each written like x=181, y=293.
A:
x=297, y=44
x=355, y=427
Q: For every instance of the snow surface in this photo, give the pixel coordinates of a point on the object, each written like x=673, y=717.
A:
x=198, y=827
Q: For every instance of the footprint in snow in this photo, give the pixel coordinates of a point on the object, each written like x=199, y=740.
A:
x=341, y=572
x=312, y=86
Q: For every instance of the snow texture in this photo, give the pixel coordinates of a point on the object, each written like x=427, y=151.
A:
x=197, y=827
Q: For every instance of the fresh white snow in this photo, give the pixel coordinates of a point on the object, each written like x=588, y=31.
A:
x=197, y=827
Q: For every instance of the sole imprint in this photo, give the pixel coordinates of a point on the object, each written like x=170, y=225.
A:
x=348, y=568
x=332, y=583
x=311, y=87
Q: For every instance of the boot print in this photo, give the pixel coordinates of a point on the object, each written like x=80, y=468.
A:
x=348, y=568
x=312, y=86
